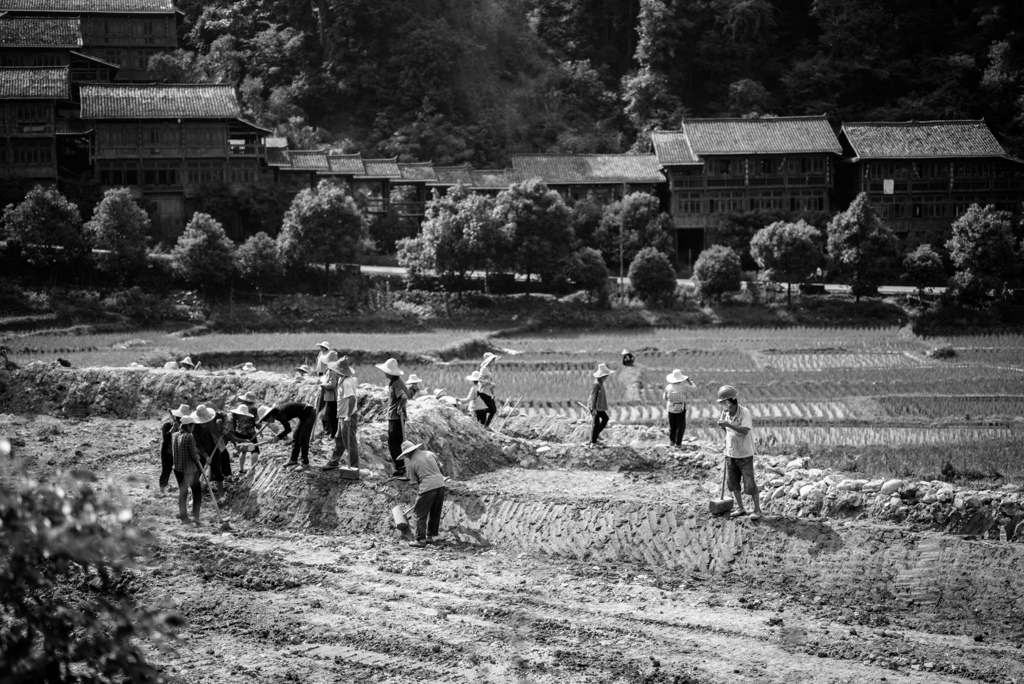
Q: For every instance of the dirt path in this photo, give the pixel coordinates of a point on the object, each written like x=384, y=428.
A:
x=268, y=604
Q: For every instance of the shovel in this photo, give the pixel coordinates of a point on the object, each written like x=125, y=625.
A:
x=721, y=504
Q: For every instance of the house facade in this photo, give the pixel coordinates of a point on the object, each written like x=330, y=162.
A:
x=603, y=178
x=922, y=175
x=29, y=101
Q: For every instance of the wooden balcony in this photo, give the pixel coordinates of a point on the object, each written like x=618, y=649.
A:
x=689, y=220
x=27, y=130
x=28, y=171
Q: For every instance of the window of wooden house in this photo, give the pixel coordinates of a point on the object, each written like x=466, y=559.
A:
x=34, y=114
x=161, y=174
x=119, y=173
x=767, y=167
x=31, y=152
x=721, y=167
x=245, y=172
x=205, y=171
x=687, y=202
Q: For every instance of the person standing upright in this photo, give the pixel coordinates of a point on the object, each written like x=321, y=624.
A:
x=328, y=402
x=738, y=425
x=598, y=403
x=487, y=387
x=322, y=349
x=167, y=431
x=473, y=401
x=348, y=416
x=209, y=432
x=398, y=399
x=675, y=395
x=188, y=465
x=413, y=383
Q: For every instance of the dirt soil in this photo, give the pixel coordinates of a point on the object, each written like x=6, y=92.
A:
x=300, y=590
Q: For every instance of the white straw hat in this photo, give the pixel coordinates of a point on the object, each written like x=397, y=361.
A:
x=488, y=357
x=325, y=345
x=413, y=379
x=390, y=367
x=242, y=410
x=249, y=367
x=676, y=376
x=408, y=447
x=474, y=376
x=187, y=361
x=602, y=370
x=261, y=413
x=181, y=411
x=203, y=414
x=247, y=397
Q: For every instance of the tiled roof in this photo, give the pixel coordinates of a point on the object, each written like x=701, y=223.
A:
x=452, y=175
x=672, y=148
x=922, y=139
x=40, y=32
x=35, y=83
x=346, y=164
x=308, y=160
x=90, y=6
x=94, y=58
x=491, y=179
x=159, y=101
x=277, y=156
x=420, y=171
x=382, y=168
x=563, y=169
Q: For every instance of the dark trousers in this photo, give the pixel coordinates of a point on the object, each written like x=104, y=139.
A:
x=481, y=415
x=396, y=435
x=330, y=420
x=166, y=466
x=346, y=441
x=428, y=512
x=491, y=409
x=185, y=483
x=600, y=421
x=220, y=465
x=303, y=433
x=677, y=426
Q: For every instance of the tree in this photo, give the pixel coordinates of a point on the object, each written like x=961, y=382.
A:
x=586, y=218
x=536, y=224
x=587, y=271
x=121, y=227
x=787, y=252
x=257, y=262
x=982, y=251
x=323, y=225
x=717, y=271
x=631, y=224
x=204, y=255
x=862, y=250
x=651, y=275
x=923, y=268
x=66, y=550
x=47, y=228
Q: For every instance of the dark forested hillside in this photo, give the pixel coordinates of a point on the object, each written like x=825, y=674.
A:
x=474, y=80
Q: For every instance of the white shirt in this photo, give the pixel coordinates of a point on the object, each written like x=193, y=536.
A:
x=737, y=445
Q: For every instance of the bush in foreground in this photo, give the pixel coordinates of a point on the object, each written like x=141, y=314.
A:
x=717, y=271
x=651, y=275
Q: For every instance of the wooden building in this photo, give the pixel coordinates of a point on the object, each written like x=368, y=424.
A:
x=724, y=166
x=603, y=177
x=28, y=41
x=167, y=142
x=30, y=98
x=922, y=175
x=125, y=33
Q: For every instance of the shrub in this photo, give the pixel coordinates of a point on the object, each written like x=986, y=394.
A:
x=204, y=256
x=536, y=225
x=982, y=250
x=629, y=225
x=651, y=275
x=786, y=252
x=257, y=262
x=121, y=227
x=587, y=271
x=862, y=250
x=923, y=268
x=716, y=272
x=47, y=228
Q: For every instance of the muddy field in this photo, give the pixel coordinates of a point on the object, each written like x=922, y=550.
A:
x=557, y=564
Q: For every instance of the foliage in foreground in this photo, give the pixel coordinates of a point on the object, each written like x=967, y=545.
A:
x=651, y=275
x=66, y=616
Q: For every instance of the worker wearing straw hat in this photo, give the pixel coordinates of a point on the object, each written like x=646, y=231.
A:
x=738, y=424
x=413, y=385
x=427, y=473
x=188, y=464
x=186, y=364
x=302, y=371
x=398, y=399
x=284, y=414
x=327, y=405
x=248, y=367
x=209, y=432
x=487, y=386
x=627, y=358
x=675, y=403
x=473, y=401
x=240, y=429
x=167, y=430
x=598, y=403
x=348, y=417
x=323, y=349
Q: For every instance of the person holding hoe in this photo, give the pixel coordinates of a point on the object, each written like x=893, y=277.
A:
x=167, y=431
x=598, y=403
x=675, y=403
x=284, y=414
x=473, y=401
x=738, y=424
x=398, y=399
x=188, y=464
x=240, y=429
x=487, y=387
x=328, y=402
x=413, y=383
x=427, y=473
x=348, y=418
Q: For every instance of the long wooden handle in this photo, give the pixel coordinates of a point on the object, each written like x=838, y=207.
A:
x=724, y=467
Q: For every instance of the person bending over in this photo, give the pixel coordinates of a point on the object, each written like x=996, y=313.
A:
x=284, y=414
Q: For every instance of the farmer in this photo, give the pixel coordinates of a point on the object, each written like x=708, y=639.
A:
x=302, y=371
x=322, y=350
x=413, y=385
x=675, y=402
x=348, y=419
x=487, y=386
x=398, y=398
x=167, y=430
x=473, y=401
x=284, y=414
x=186, y=364
x=737, y=424
x=627, y=358
x=240, y=429
x=248, y=367
x=598, y=403
x=427, y=473
x=188, y=464
x=327, y=405
x=209, y=435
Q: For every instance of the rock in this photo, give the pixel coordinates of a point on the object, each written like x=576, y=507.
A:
x=811, y=492
x=851, y=485
x=929, y=499
x=891, y=486
x=873, y=486
x=797, y=463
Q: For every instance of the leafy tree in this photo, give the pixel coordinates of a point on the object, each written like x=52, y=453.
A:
x=204, y=255
x=651, y=275
x=923, y=268
x=68, y=616
x=862, y=250
x=536, y=224
x=323, y=225
x=586, y=270
x=121, y=227
x=631, y=224
x=387, y=229
x=982, y=252
x=717, y=271
x=787, y=252
x=586, y=217
x=48, y=229
x=257, y=262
